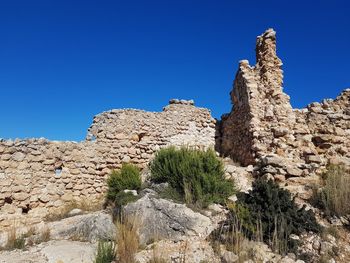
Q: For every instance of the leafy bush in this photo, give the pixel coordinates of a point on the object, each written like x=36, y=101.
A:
x=106, y=252
x=269, y=209
x=128, y=177
x=334, y=197
x=198, y=176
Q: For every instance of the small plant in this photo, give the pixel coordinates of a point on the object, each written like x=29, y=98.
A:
x=33, y=236
x=14, y=241
x=128, y=177
x=45, y=235
x=197, y=176
x=127, y=239
x=183, y=252
x=233, y=236
x=276, y=213
x=334, y=197
x=331, y=230
x=156, y=258
x=325, y=258
x=106, y=252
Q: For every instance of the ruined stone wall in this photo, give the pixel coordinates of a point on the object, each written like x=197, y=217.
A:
x=38, y=176
x=262, y=129
x=329, y=124
x=238, y=124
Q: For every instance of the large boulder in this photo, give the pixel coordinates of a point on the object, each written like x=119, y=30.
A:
x=163, y=219
x=89, y=227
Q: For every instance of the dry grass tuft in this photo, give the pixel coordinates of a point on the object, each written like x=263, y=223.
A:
x=127, y=239
x=334, y=197
x=84, y=205
x=14, y=241
x=45, y=235
x=156, y=257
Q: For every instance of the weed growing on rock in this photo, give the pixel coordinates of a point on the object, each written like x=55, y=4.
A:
x=106, y=252
x=334, y=197
x=198, y=176
x=14, y=241
x=127, y=239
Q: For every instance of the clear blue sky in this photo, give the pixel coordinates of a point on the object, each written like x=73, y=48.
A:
x=62, y=62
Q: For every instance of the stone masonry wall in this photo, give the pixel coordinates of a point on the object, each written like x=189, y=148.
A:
x=329, y=124
x=262, y=129
x=38, y=176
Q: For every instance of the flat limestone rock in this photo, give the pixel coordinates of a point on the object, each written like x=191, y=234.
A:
x=19, y=256
x=52, y=252
x=159, y=218
x=69, y=252
x=90, y=227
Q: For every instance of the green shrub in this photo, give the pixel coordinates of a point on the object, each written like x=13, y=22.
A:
x=106, y=252
x=334, y=197
x=272, y=209
x=128, y=177
x=198, y=176
x=121, y=200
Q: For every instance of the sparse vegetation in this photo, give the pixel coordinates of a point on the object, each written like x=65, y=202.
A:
x=106, y=252
x=45, y=235
x=127, y=239
x=268, y=211
x=125, y=245
x=331, y=230
x=29, y=238
x=156, y=257
x=14, y=241
x=86, y=205
x=36, y=237
x=233, y=236
x=197, y=176
x=334, y=197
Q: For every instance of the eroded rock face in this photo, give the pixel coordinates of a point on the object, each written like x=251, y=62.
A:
x=162, y=219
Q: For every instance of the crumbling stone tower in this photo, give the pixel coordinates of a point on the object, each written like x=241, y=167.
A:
x=261, y=115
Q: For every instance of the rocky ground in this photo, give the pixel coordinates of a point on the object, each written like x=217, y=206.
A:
x=171, y=231
x=55, y=251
